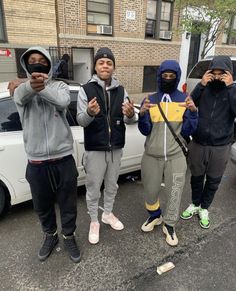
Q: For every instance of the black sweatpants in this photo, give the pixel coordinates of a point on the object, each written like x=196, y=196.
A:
x=207, y=165
x=52, y=181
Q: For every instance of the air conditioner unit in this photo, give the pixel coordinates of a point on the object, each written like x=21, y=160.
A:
x=165, y=34
x=104, y=29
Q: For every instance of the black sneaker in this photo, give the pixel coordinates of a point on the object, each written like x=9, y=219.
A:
x=48, y=245
x=72, y=248
x=171, y=237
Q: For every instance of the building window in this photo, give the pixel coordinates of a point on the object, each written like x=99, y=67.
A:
x=159, y=19
x=99, y=16
x=150, y=78
x=2, y=24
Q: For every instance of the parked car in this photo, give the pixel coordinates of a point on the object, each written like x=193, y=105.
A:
x=198, y=71
x=14, y=188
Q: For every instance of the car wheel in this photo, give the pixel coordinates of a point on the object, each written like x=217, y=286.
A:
x=3, y=201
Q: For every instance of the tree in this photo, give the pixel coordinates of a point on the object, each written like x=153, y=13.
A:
x=210, y=18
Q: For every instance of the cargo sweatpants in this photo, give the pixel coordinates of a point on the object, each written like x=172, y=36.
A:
x=173, y=171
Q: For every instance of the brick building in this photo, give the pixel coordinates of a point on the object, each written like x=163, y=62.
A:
x=24, y=24
x=141, y=33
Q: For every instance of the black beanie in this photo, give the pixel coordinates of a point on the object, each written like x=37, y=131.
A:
x=104, y=52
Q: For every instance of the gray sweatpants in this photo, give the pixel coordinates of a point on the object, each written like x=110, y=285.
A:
x=173, y=171
x=99, y=166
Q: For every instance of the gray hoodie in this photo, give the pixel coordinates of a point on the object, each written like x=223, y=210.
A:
x=46, y=132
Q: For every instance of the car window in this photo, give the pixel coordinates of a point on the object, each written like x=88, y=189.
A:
x=72, y=109
x=199, y=70
x=9, y=116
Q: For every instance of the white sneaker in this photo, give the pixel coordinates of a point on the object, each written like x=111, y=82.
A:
x=150, y=223
x=94, y=232
x=114, y=222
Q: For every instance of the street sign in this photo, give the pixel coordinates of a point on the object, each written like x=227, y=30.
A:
x=5, y=52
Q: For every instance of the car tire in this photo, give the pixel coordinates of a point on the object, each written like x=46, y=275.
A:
x=4, y=205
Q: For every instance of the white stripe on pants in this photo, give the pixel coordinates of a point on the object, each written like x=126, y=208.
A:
x=99, y=166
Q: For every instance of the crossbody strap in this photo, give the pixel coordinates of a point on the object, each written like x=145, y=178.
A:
x=185, y=151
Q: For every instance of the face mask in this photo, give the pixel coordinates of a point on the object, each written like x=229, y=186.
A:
x=168, y=85
x=38, y=68
x=217, y=85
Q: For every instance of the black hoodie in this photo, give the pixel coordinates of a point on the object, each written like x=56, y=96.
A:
x=216, y=108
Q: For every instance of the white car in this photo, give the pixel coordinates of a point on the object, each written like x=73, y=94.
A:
x=14, y=188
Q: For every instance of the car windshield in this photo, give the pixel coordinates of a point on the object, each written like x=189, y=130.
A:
x=9, y=117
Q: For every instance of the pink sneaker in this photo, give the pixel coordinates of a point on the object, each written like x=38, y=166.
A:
x=114, y=222
x=94, y=232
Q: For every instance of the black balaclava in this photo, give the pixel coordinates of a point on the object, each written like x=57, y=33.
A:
x=216, y=85
x=168, y=85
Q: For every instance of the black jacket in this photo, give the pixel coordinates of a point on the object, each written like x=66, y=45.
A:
x=107, y=130
x=216, y=109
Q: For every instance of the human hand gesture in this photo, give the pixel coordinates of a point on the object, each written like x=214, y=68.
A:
x=227, y=78
x=207, y=77
x=128, y=109
x=93, y=107
x=188, y=104
x=146, y=106
x=37, y=81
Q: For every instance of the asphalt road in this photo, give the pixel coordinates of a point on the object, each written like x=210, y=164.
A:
x=125, y=260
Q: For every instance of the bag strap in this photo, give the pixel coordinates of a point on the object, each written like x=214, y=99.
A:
x=183, y=147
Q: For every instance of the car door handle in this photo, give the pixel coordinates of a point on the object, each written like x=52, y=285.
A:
x=2, y=148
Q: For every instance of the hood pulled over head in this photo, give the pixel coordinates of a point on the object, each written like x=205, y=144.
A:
x=168, y=85
x=30, y=68
x=221, y=63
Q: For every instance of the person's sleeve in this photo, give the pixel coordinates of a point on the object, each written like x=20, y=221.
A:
x=144, y=123
x=83, y=118
x=134, y=118
x=190, y=122
x=58, y=94
x=232, y=97
x=23, y=93
x=197, y=93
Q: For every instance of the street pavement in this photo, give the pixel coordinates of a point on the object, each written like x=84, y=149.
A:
x=127, y=259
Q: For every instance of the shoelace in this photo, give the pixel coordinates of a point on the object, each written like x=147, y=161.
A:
x=204, y=214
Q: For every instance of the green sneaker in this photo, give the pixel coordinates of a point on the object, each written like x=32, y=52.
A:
x=204, y=218
x=190, y=211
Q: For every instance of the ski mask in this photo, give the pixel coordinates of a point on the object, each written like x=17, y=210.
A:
x=168, y=85
x=38, y=68
x=217, y=85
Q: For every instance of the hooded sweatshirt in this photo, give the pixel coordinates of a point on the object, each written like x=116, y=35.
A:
x=160, y=142
x=106, y=130
x=46, y=132
x=216, y=107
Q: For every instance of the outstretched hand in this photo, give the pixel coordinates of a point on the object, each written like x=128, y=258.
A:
x=128, y=109
x=189, y=104
x=93, y=107
x=37, y=81
x=146, y=107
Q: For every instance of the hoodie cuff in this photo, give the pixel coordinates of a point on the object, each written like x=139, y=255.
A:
x=28, y=87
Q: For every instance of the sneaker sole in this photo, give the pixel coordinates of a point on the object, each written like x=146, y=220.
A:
x=186, y=218
x=118, y=228
x=43, y=258
x=159, y=222
x=76, y=260
x=203, y=226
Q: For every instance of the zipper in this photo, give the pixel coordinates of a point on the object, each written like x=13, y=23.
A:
x=108, y=112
